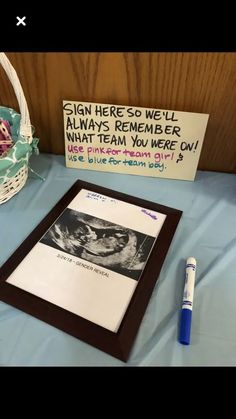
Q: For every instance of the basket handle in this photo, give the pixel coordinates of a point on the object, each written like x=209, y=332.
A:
x=25, y=125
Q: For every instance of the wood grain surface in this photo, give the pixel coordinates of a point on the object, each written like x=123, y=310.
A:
x=194, y=82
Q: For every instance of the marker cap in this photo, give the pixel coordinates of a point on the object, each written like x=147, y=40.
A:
x=191, y=261
x=185, y=326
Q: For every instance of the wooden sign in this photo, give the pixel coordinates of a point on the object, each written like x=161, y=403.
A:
x=133, y=140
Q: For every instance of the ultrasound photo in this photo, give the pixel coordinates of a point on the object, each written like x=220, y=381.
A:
x=98, y=241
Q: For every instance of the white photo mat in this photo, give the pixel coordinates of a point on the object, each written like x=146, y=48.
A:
x=90, y=260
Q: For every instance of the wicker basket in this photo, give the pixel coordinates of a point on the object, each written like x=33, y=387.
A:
x=14, y=166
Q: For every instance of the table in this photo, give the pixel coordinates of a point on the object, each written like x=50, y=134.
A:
x=207, y=231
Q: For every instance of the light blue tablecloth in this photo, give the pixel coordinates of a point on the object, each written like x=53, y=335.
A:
x=207, y=231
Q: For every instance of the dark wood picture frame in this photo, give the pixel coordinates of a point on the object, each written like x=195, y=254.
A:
x=116, y=344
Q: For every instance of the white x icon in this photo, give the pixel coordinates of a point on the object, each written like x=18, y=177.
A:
x=21, y=21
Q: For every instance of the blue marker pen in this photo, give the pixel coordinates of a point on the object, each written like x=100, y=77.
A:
x=187, y=305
